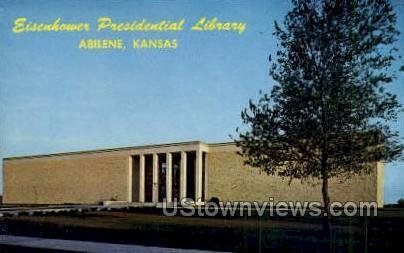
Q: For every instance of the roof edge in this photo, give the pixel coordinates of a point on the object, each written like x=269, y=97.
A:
x=94, y=151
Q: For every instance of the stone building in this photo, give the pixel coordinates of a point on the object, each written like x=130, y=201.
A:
x=149, y=174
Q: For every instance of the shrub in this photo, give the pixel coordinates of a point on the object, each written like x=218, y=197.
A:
x=214, y=200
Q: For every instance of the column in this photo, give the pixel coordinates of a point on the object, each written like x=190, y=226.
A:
x=183, y=175
x=141, y=178
x=198, y=176
x=155, y=179
x=169, y=177
x=130, y=183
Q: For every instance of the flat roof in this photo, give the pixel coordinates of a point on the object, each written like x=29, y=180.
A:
x=119, y=149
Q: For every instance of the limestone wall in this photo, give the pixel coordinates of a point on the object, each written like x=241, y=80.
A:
x=230, y=180
x=87, y=178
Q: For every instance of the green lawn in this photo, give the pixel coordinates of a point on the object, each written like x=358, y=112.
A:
x=244, y=234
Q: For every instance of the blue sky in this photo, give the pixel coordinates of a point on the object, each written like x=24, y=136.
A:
x=55, y=97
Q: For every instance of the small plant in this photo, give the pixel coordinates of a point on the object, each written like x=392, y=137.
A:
x=214, y=200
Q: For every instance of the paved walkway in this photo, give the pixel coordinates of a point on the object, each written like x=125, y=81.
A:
x=85, y=246
x=40, y=210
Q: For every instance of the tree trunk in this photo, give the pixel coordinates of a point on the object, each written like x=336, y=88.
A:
x=326, y=202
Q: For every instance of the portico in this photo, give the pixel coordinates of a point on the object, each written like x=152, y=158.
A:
x=172, y=173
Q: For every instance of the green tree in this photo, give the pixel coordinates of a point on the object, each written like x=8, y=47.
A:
x=327, y=113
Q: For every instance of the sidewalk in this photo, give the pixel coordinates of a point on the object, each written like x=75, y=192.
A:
x=85, y=246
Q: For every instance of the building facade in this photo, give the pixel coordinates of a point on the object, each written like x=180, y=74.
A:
x=149, y=174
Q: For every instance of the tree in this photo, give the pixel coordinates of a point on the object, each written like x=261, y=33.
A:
x=327, y=114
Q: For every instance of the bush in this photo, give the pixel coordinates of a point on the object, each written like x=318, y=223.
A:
x=214, y=200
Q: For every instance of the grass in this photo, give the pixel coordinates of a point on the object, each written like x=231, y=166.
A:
x=243, y=234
